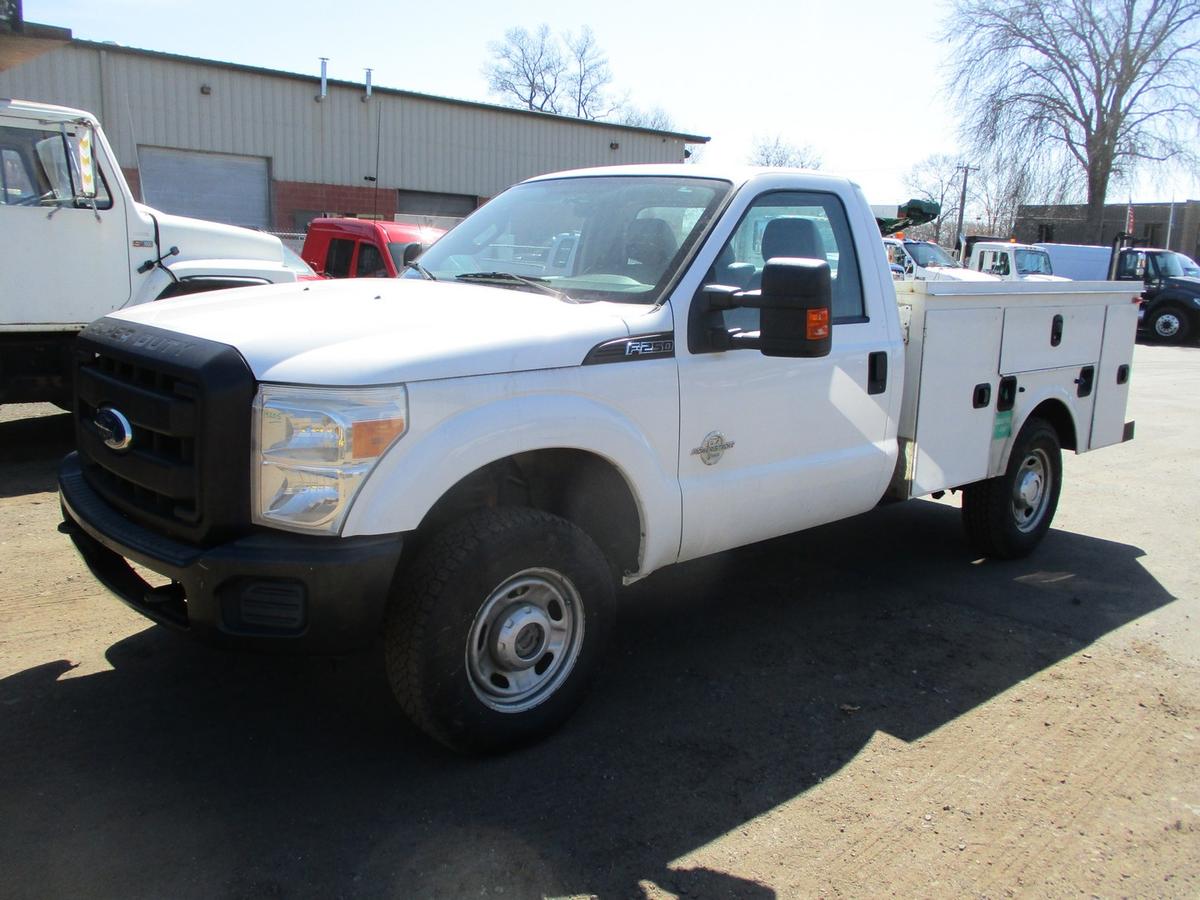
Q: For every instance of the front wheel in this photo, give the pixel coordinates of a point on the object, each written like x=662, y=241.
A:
x=494, y=633
x=1169, y=324
x=1006, y=517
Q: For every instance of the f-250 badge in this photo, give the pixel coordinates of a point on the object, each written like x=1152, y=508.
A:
x=712, y=448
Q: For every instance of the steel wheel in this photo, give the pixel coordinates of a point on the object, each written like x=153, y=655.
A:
x=1167, y=324
x=525, y=640
x=1032, y=488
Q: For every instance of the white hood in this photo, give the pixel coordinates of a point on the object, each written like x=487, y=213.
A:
x=201, y=239
x=361, y=331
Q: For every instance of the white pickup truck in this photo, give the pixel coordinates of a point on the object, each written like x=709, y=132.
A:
x=76, y=246
x=598, y=374
x=1010, y=261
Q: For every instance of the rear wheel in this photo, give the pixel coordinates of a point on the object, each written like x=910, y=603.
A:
x=1006, y=517
x=1169, y=324
x=495, y=631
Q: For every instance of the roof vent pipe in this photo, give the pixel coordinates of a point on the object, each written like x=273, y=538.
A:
x=367, y=95
x=324, y=80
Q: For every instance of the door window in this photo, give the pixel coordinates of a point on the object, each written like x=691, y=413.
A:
x=35, y=170
x=803, y=224
x=370, y=262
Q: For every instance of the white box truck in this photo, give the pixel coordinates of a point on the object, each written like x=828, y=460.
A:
x=596, y=375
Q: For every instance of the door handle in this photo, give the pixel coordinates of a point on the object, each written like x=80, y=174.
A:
x=877, y=372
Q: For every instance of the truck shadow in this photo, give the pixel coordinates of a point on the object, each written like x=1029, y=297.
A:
x=734, y=684
x=30, y=451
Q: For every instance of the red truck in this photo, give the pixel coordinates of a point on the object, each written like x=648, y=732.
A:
x=363, y=248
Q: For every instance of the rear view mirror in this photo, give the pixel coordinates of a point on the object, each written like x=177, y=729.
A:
x=85, y=164
x=412, y=251
x=796, y=302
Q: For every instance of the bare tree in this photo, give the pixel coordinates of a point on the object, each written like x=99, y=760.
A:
x=539, y=71
x=1005, y=180
x=655, y=117
x=1105, y=84
x=527, y=70
x=937, y=178
x=587, y=77
x=775, y=151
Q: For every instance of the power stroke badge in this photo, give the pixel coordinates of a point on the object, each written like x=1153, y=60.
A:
x=712, y=448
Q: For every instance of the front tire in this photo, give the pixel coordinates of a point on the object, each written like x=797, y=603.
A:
x=1169, y=324
x=1006, y=517
x=495, y=630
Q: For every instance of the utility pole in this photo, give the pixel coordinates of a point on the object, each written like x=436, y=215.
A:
x=962, y=208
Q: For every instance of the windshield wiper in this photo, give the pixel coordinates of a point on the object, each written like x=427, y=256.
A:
x=422, y=271
x=510, y=278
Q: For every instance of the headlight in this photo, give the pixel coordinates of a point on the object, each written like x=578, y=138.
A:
x=314, y=447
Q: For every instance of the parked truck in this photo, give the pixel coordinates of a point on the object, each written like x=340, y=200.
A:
x=76, y=246
x=926, y=261
x=1169, y=282
x=1010, y=261
x=364, y=248
x=460, y=465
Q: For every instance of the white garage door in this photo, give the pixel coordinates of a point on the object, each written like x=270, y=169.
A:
x=216, y=186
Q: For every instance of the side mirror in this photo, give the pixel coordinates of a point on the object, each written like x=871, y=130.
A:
x=795, y=305
x=796, y=308
x=412, y=251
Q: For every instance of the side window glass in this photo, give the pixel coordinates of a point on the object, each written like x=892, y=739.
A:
x=338, y=258
x=370, y=262
x=35, y=170
x=16, y=183
x=794, y=224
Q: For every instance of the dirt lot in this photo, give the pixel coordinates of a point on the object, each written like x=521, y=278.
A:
x=865, y=709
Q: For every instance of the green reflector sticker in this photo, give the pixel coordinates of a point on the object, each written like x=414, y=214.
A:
x=1003, y=426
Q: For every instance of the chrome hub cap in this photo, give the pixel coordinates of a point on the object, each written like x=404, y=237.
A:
x=525, y=640
x=1167, y=325
x=1031, y=490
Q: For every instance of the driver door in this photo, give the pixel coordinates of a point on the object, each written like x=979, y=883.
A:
x=771, y=445
x=63, y=265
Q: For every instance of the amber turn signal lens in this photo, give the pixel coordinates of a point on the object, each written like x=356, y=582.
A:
x=818, y=324
x=370, y=438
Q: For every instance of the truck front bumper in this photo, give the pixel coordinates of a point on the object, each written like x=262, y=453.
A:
x=270, y=590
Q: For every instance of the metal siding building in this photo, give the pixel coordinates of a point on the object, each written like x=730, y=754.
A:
x=318, y=153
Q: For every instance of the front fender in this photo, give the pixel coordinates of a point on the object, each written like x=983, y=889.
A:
x=426, y=463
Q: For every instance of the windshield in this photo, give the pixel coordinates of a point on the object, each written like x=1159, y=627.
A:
x=926, y=255
x=611, y=237
x=1033, y=262
x=1188, y=265
x=1170, y=265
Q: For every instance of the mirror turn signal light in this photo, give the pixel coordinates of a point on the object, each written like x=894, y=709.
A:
x=818, y=324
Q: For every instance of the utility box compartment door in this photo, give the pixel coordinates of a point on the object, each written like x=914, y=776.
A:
x=1050, y=337
x=961, y=349
x=1113, y=375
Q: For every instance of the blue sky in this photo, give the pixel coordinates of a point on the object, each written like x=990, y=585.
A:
x=861, y=81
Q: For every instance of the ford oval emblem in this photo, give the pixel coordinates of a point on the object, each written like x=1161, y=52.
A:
x=114, y=428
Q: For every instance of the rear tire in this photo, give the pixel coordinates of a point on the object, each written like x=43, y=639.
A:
x=1006, y=517
x=1169, y=324
x=494, y=632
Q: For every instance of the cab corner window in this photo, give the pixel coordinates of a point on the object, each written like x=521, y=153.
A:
x=803, y=224
x=339, y=257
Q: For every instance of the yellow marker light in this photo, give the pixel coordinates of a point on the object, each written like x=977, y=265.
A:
x=370, y=438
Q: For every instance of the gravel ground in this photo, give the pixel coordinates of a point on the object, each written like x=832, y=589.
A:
x=863, y=709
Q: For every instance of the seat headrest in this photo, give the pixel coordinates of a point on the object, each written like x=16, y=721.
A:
x=650, y=242
x=792, y=236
